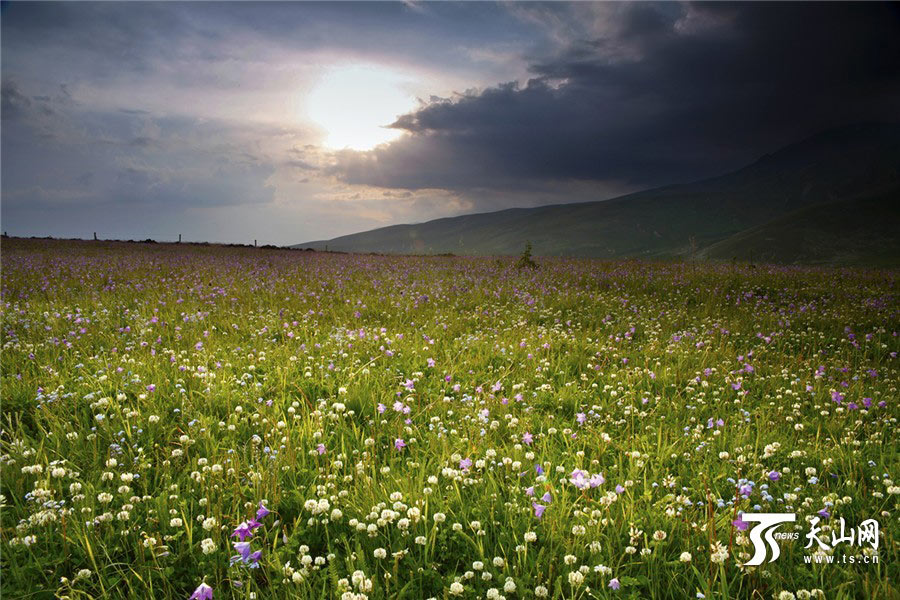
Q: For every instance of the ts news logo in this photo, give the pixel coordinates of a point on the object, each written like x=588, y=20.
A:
x=767, y=524
x=866, y=533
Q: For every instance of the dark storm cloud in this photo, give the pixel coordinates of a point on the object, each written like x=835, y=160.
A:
x=664, y=93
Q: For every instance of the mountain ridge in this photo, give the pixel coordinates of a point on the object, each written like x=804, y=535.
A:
x=831, y=168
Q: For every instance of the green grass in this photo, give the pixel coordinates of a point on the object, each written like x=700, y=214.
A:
x=154, y=395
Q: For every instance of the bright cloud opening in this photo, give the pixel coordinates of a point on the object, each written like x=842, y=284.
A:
x=355, y=104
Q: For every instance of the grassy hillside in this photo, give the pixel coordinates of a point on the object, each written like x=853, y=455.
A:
x=848, y=232
x=674, y=220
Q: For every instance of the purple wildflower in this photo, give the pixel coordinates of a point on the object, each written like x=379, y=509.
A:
x=243, y=531
x=579, y=479
x=243, y=552
x=203, y=592
x=254, y=559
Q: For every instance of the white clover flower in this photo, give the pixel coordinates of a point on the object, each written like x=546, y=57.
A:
x=208, y=546
x=456, y=588
x=380, y=553
x=718, y=553
x=541, y=591
x=685, y=557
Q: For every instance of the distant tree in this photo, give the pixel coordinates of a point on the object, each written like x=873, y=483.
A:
x=525, y=261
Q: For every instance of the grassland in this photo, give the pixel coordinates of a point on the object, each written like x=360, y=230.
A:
x=284, y=424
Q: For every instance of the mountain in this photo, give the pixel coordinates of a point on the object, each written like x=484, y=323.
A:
x=860, y=231
x=768, y=210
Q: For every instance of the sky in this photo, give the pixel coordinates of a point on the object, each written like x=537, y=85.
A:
x=293, y=122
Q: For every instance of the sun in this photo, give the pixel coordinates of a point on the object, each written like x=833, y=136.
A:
x=355, y=104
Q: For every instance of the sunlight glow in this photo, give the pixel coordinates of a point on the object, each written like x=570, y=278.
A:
x=355, y=104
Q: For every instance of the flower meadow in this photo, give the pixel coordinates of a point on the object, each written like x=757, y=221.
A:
x=210, y=422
